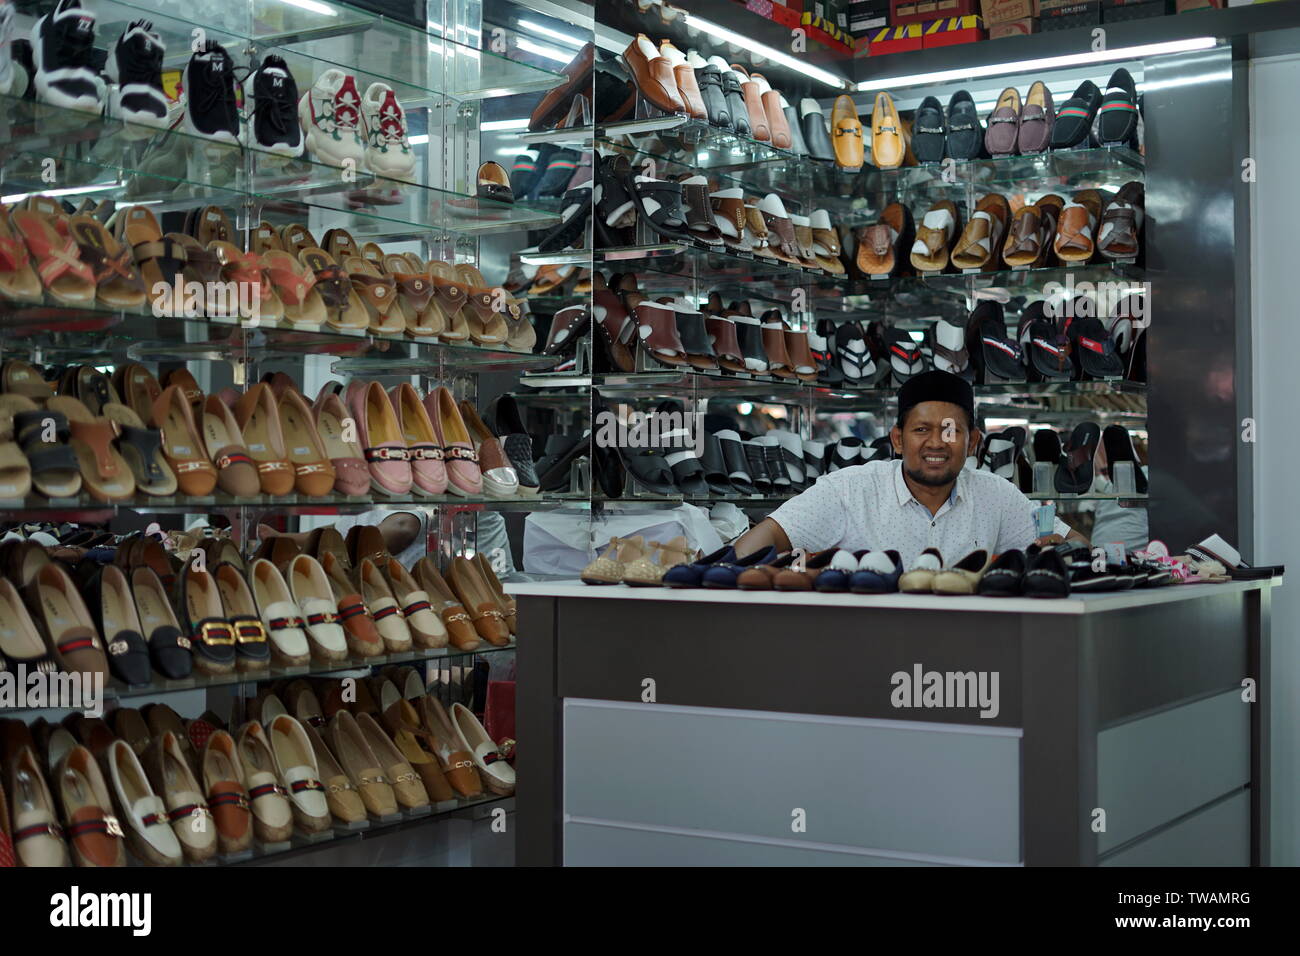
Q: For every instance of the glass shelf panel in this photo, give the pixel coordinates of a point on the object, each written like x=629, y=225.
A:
x=678, y=258
x=87, y=510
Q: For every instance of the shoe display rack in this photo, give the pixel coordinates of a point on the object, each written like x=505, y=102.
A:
x=376, y=186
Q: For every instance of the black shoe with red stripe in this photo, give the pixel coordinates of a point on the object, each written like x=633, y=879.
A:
x=905, y=356
x=992, y=351
x=1118, y=117
x=1074, y=119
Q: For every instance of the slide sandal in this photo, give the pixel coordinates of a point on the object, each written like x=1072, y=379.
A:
x=245, y=270
x=295, y=285
x=1077, y=227
x=378, y=295
x=649, y=470
x=20, y=378
x=55, y=472
x=1002, y=450
x=141, y=448
x=1074, y=476
x=18, y=280
x=57, y=258
x=161, y=260
x=1121, y=223
x=104, y=472
x=1048, y=349
x=15, y=472
x=342, y=304
x=1117, y=444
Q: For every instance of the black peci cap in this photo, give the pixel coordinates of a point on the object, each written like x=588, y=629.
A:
x=936, y=386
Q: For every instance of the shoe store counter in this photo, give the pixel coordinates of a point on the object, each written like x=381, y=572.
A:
x=721, y=727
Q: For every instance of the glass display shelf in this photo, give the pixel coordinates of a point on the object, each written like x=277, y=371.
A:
x=744, y=501
x=696, y=142
x=718, y=265
x=371, y=828
x=567, y=257
x=316, y=35
x=70, y=334
x=575, y=137
x=1047, y=280
x=115, y=689
x=83, y=508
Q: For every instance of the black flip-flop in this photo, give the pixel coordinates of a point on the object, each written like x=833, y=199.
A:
x=852, y=354
x=1119, y=448
x=1073, y=124
x=1048, y=348
x=965, y=136
x=929, y=132
x=905, y=356
x=1074, y=476
x=999, y=356
x=1094, y=350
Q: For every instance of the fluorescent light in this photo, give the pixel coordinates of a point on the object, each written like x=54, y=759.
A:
x=504, y=124
x=419, y=139
x=312, y=6
x=776, y=56
x=67, y=191
x=550, y=52
x=532, y=27
x=1044, y=63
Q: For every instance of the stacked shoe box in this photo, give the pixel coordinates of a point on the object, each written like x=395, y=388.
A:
x=1114, y=11
x=868, y=16
x=1005, y=18
x=1068, y=14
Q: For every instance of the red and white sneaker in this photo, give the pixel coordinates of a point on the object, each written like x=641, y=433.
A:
x=330, y=113
x=388, y=151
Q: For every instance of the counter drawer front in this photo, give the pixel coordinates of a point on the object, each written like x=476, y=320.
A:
x=588, y=844
x=1216, y=836
x=1154, y=769
x=885, y=785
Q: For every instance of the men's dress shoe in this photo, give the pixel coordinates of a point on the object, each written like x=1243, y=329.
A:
x=312, y=593
x=361, y=765
x=734, y=95
x=888, y=145
x=929, y=131
x=846, y=130
x=281, y=615
x=1118, y=118
x=212, y=638
x=1073, y=124
x=776, y=121
x=653, y=75
x=383, y=606
x=426, y=627
x=708, y=79
x=964, y=576
x=919, y=578
x=407, y=786
x=878, y=573
x=65, y=622
x=93, y=830
x=498, y=775
x=687, y=89
x=798, y=145
x=965, y=137
x=114, y=612
x=226, y=795
x=272, y=812
x=753, y=98
x=1036, y=119
x=239, y=607
x=723, y=574
x=37, y=836
x=577, y=72
x=815, y=134
x=140, y=811
x=172, y=778
x=1005, y=576
x=1004, y=124
x=296, y=769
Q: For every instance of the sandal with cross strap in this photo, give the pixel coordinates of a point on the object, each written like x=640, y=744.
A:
x=58, y=261
x=18, y=280
x=160, y=260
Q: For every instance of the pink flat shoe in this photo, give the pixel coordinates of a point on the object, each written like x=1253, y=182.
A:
x=351, y=473
x=463, y=474
x=381, y=440
x=427, y=465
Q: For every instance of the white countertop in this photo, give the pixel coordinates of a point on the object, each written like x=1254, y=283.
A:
x=1075, y=604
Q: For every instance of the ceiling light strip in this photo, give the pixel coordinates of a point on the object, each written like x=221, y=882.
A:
x=1044, y=63
x=767, y=52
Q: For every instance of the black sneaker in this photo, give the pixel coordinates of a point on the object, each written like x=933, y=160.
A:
x=135, y=65
x=211, y=110
x=63, y=48
x=273, y=122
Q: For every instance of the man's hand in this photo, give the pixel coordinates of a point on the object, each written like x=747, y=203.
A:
x=1049, y=541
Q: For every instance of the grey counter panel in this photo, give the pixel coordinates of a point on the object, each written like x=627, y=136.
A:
x=1218, y=835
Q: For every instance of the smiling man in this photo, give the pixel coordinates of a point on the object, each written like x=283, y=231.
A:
x=921, y=499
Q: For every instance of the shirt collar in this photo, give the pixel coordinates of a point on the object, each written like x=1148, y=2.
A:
x=905, y=494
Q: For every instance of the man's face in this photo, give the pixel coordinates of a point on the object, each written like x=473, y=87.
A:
x=934, y=443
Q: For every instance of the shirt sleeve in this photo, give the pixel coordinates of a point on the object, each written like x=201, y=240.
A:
x=814, y=519
x=1017, y=528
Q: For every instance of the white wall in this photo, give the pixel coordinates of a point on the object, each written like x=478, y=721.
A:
x=1275, y=214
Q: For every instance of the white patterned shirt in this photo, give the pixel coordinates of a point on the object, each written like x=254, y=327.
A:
x=870, y=507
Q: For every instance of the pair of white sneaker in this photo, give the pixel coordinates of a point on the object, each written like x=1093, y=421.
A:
x=341, y=125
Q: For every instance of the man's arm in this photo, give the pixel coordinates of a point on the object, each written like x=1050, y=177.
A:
x=766, y=534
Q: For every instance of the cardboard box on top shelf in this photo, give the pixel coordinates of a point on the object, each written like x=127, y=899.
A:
x=951, y=31
x=899, y=39
x=922, y=11
x=1013, y=28
x=1068, y=14
x=1005, y=11
x=786, y=14
x=1117, y=11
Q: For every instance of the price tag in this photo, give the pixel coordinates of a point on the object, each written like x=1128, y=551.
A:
x=1045, y=519
x=1115, y=553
